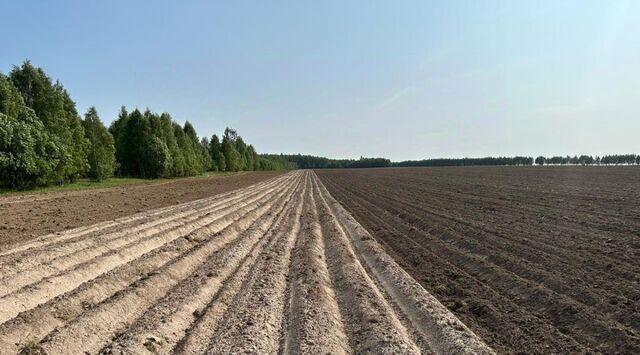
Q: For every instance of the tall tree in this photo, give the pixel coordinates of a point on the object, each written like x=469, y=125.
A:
x=254, y=157
x=28, y=154
x=231, y=155
x=136, y=134
x=101, y=146
x=118, y=131
x=55, y=109
x=215, y=150
x=190, y=131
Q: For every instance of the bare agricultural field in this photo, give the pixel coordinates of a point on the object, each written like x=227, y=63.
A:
x=532, y=259
x=24, y=217
x=278, y=267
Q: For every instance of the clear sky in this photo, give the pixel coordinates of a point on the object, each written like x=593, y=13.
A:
x=401, y=79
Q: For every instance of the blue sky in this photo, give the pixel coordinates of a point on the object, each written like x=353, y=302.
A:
x=401, y=79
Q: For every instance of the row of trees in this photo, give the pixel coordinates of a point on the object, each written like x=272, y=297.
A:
x=151, y=145
x=315, y=162
x=517, y=160
x=616, y=159
x=43, y=139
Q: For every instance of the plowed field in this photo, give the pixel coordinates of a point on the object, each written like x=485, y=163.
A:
x=24, y=217
x=533, y=260
x=278, y=267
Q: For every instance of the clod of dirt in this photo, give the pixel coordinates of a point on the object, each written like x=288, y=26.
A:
x=32, y=348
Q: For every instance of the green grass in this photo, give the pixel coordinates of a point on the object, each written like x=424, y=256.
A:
x=86, y=184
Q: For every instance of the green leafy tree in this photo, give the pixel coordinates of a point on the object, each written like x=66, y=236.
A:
x=186, y=147
x=215, y=150
x=254, y=157
x=241, y=147
x=156, y=158
x=232, y=157
x=163, y=127
x=190, y=131
x=222, y=163
x=28, y=155
x=135, y=138
x=118, y=131
x=101, y=147
x=204, y=152
x=55, y=109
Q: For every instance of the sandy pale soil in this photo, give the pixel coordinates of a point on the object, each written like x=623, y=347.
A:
x=535, y=260
x=278, y=267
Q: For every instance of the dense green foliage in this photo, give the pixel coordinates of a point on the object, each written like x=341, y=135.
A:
x=150, y=145
x=314, y=162
x=275, y=162
x=28, y=154
x=44, y=141
x=217, y=157
x=54, y=108
x=101, y=157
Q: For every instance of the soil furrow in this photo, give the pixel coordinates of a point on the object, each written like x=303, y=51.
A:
x=163, y=325
x=370, y=322
x=554, y=246
x=593, y=324
x=313, y=323
x=443, y=332
x=36, y=323
x=62, y=211
x=122, y=222
x=100, y=323
x=546, y=271
x=252, y=322
x=453, y=286
x=29, y=297
x=197, y=338
x=180, y=214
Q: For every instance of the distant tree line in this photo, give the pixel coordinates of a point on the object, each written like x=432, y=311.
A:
x=628, y=159
x=517, y=160
x=616, y=159
x=43, y=139
x=314, y=162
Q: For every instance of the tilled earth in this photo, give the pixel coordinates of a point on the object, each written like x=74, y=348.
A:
x=277, y=267
x=533, y=260
x=25, y=217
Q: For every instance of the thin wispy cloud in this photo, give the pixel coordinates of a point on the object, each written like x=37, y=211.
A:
x=393, y=98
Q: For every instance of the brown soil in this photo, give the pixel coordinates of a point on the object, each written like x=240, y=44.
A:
x=533, y=260
x=278, y=267
x=27, y=216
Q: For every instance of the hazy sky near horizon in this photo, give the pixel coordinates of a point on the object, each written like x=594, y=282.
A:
x=400, y=79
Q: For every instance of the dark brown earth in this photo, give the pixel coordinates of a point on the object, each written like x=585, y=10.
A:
x=27, y=216
x=533, y=259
